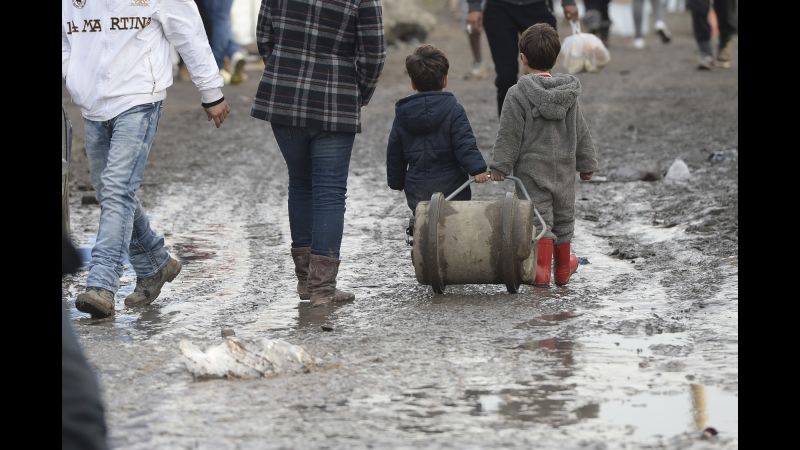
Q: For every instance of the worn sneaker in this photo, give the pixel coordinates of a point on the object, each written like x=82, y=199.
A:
x=238, y=62
x=663, y=31
x=706, y=62
x=724, y=56
x=147, y=289
x=638, y=43
x=226, y=76
x=96, y=301
x=478, y=72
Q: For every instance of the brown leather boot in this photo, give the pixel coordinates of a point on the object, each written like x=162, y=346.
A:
x=300, y=255
x=565, y=263
x=148, y=289
x=96, y=301
x=322, y=273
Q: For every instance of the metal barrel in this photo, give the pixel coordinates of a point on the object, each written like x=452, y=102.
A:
x=472, y=242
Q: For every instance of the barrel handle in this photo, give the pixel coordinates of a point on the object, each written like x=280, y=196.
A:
x=524, y=191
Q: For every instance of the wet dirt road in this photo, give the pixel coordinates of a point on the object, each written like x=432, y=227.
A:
x=640, y=350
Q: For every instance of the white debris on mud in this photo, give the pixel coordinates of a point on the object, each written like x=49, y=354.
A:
x=239, y=358
x=678, y=171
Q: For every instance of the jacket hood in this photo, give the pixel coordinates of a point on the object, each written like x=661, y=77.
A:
x=552, y=97
x=423, y=112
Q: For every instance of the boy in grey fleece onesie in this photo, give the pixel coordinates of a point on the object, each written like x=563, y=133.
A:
x=543, y=139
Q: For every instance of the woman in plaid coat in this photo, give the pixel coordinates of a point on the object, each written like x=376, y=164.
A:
x=322, y=59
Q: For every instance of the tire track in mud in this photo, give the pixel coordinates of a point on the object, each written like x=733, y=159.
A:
x=672, y=315
x=243, y=279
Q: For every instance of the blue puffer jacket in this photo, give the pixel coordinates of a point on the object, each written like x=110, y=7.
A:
x=431, y=147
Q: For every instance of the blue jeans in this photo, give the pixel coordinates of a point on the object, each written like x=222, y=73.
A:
x=117, y=151
x=222, y=42
x=318, y=163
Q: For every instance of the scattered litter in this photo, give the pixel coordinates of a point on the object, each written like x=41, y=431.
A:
x=678, y=171
x=723, y=155
x=239, y=358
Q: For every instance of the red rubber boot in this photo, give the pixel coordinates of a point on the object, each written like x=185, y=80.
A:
x=566, y=263
x=544, y=259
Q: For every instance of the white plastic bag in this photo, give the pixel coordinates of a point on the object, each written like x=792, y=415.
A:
x=583, y=52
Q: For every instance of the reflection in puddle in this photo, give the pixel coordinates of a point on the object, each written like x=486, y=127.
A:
x=544, y=403
x=559, y=348
x=671, y=414
x=316, y=316
x=546, y=320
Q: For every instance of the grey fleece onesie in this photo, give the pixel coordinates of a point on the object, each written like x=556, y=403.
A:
x=543, y=139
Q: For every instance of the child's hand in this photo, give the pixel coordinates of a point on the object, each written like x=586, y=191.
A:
x=482, y=177
x=495, y=176
x=586, y=176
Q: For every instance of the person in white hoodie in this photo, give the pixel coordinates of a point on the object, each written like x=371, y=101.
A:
x=115, y=58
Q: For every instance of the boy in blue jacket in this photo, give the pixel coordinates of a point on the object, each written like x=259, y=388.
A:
x=431, y=145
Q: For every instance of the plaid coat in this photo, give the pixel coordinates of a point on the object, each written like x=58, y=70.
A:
x=323, y=59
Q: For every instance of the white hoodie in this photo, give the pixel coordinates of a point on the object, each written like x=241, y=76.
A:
x=115, y=54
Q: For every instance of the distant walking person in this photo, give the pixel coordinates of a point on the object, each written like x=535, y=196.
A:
x=597, y=19
x=658, y=25
x=478, y=71
x=504, y=21
x=118, y=76
x=323, y=60
x=728, y=21
x=222, y=41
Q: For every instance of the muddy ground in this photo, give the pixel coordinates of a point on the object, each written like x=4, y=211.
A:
x=639, y=350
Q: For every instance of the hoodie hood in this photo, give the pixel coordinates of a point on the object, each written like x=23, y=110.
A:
x=423, y=112
x=552, y=97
